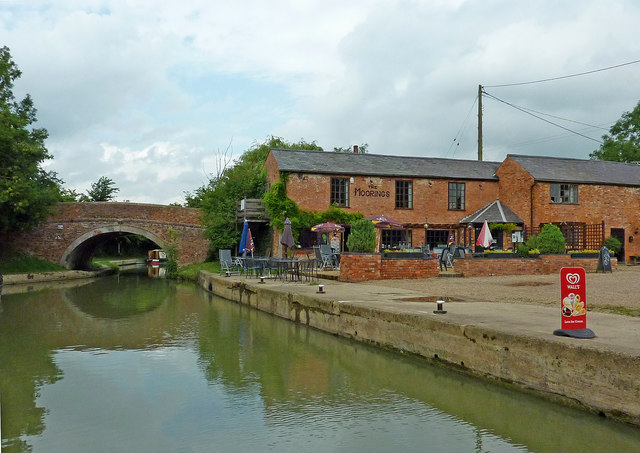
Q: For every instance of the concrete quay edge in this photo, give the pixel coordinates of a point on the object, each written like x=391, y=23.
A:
x=39, y=277
x=507, y=343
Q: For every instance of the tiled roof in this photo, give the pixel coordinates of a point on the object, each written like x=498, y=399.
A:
x=494, y=212
x=381, y=165
x=579, y=171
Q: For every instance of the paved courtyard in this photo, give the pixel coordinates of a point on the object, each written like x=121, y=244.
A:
x=617, y=292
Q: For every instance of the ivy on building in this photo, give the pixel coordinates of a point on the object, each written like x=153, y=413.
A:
x=279, y=206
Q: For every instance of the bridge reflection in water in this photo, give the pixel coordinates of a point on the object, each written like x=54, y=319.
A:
x=139, y=364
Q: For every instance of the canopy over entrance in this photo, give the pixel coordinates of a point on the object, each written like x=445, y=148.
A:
x=494, y=212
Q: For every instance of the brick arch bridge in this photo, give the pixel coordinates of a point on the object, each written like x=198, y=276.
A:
x=70, y=236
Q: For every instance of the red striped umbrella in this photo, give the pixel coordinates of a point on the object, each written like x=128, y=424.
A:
x=484, y=238
x=249, y=247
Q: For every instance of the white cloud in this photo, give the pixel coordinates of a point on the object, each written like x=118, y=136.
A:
x=147, y=92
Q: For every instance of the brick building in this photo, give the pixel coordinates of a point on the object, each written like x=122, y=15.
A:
x=435, y=198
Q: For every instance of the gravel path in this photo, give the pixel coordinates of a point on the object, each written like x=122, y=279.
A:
x=617, y=292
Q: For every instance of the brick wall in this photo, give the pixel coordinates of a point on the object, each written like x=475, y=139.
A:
x=616, y=205
x=515, y=184
x=358, y=267
x=395, y=269
x=115, y=210
x=430, y=197
x=546, y=264
x=70, y=226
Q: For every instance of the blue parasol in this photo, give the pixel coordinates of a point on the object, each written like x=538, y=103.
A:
x=242, y=247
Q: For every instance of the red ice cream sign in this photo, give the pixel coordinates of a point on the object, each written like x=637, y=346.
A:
x=573, y=292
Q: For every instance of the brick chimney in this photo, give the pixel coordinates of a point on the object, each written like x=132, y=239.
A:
x=355, y=149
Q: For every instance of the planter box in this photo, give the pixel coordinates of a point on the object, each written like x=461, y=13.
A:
x=584, y=255
x=357, y=267
x=404, y=256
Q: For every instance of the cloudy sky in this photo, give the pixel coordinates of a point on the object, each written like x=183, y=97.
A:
x=151, y=93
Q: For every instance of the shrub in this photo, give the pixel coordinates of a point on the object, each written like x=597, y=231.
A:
x=613, y=244
x=171, y=249
x=362, y=237
x=551, y=240
x=525, y=249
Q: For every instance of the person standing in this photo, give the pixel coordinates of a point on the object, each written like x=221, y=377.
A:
x=335, y=242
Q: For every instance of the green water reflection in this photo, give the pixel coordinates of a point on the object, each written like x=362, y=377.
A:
x=135, y=364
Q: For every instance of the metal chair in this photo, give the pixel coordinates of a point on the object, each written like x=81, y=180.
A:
x=272, y=268
x=327, y=256
x=320, y=259
x=228, y=265
x=251, y=266
x=450, y=258
x=309, y=270
x=443, y=259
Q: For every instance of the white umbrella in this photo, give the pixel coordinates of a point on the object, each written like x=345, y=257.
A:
x=484, y=238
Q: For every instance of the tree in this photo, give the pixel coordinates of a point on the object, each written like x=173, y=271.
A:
x=622, y=143
x=102, y=190
x=27, y=192
x=362, y=149
x=69, y=195
x=245, y=179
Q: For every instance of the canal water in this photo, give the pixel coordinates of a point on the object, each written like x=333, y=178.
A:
x=133, y=364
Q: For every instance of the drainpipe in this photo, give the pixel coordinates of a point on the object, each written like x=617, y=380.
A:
x=531, y=204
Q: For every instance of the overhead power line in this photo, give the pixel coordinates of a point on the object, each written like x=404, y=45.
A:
x=545, y=139
x=593, y=126
x=540, y=118
x=463, y=126
x=563, y=77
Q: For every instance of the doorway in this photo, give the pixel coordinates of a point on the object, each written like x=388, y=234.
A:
x=618, y=233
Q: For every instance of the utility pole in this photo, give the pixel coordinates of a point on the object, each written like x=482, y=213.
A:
x=479, y=122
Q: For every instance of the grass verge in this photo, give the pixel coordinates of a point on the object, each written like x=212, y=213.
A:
x=103, y=262
x=619, y=310
x=190, y=272
x=22, y=263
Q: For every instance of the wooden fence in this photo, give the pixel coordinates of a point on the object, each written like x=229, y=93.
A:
x=577, y=235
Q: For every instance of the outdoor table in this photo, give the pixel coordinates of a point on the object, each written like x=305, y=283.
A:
x=238, y=261
x=259, y=263
x=249, y=263
x=289, y=269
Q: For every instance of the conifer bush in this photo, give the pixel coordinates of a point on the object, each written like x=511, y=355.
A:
x=362, y=238
x=550, y=240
